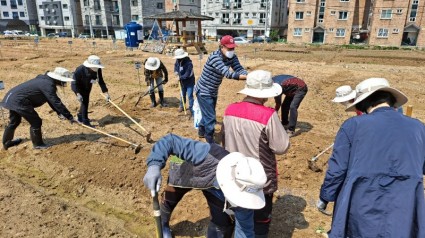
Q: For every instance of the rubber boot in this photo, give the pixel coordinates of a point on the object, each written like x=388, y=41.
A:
x=161, y=99
x=261, y=236
x=153, y=100
x=37, y=139
x=80, y=118
x=215, y=231
x=165, y=222
x=8, y=140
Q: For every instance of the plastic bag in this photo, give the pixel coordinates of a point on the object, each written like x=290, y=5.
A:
x=197, y=115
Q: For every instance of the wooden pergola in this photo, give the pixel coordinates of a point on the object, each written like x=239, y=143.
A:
x=183, y=17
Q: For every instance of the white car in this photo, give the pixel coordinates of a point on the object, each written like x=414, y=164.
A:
x=240, y=40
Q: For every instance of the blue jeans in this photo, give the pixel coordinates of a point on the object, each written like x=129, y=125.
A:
x=290, y=107
x=207, y=105
x=187, y=89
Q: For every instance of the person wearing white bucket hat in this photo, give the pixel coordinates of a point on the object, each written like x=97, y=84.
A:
x=222, y=176
x=22, y=99
x=155, y=71
x=345, y=95
x=376, y=166
x=87, y=74
x=183, y=68
x=255, y=130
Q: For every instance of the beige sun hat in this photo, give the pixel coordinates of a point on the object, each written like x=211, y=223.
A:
x=152, y=63
x=61, y=74
x=259, y=84
x=180, y=54
x=367, y=87
x=344, y=94
x=242, y=180
x=93, y=61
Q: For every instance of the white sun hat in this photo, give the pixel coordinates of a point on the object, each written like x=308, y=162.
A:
x=344, y=94
x=180, y=54
x=242, y=180
x=152, y=63
x=259, y=84
x=368, y=86
x=61, y=74
x=93, y=61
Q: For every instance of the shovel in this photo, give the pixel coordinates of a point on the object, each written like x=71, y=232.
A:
x=157, y=214
x=147, y=92
x=148, y=134
x=137, y=148
x=312, y=163
x=183, y=99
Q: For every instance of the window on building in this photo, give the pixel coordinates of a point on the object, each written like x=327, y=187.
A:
x=308, y=13
x=298, y=31
x=386, y=13
x=246, y=14
x=97, y=5
x=65, y=6
x=300, y=1
x=262, y=18
x=13, y=4
x=66, y=18
x=396, y=31
x=237, y=18
x=413, y=11
x=98, y=20
x=134, y=17
x=86, y=3
x=86, y=20
x=134, y=3
x=382, y=33
x=306, y=29
x=254, y=15
x=331, y=30
x=333, y=13
x=344, y=0
x=40, y=6
x=399, y=11
x=116, y=20
x=3, y=3
x=159, y=5
x=15, y=15
x=225, y=18
x=343, y=15
x=20, y=2
x=5, y=14
x=21, y=14
x=217, y=14
x=299, y=15
x=42, y=18
x=340, y=32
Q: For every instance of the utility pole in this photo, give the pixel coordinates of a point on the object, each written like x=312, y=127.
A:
x=266, y=19
x=71, y=18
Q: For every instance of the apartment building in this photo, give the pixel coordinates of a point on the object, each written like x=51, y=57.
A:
x=374, y=22
x=244, y=17
x=24, y=10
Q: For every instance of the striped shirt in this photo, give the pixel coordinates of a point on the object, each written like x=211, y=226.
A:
x=217, y=67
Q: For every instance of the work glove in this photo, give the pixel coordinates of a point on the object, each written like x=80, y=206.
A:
x=79, y=97
x=153, y=178
x=108, y=98
x=165, y=81
x=72, y=120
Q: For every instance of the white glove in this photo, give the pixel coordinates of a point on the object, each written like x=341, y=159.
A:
x=108, y=98
x=79, y=97
x=153, y=178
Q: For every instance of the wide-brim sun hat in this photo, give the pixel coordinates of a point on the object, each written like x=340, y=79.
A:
x=344, y=94
x=259, y=84
x=61, y=74
x=93, y=61
x=242, y=180
x=367, y=87
x=152, y=63
x=180, y=54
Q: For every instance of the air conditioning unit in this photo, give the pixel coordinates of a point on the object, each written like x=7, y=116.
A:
x=53, y=10
x=226, y=19
x=235, y=5
x=54, y=22
x=412, y=19
x=47, y=22
x=235, y=20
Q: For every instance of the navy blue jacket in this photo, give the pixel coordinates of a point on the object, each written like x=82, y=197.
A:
x=34, y=93
x=375, y=176
x=83, y=77
x=184, y=68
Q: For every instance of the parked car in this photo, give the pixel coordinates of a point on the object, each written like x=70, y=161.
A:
x=83, y=36
x=259, y=39
x=52, y=35
x=240, y=40
x=63, y=34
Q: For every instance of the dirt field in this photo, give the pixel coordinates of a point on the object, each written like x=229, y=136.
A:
x=89, y=185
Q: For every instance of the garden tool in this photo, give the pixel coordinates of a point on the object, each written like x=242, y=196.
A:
x=183, y=100
x=157, y=214
x=137, y=148
x=147, y=92
x=148, y=135
x=312, y=163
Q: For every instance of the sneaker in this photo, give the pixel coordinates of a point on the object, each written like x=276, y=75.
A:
x=290, y=133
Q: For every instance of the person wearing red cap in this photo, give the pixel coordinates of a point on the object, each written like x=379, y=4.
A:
x=221, y=63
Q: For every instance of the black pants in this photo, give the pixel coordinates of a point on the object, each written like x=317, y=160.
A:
x=15, y=118
x=84, y=106
x=290, y=105
x=263, y=216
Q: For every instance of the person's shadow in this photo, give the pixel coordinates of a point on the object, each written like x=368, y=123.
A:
x=302, y=127
x=190, y=229
x=287, y=215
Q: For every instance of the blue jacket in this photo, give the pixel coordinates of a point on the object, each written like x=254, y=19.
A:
x=375, y=177
x=184, y=68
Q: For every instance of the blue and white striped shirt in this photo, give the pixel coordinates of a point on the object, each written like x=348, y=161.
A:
x=217, y=67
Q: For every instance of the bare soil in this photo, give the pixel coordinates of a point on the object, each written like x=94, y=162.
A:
x=89, y=185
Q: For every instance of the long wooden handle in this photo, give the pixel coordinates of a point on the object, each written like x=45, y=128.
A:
x=409, y=111
x=157, y=215
x=102, y=132
x=135, y=122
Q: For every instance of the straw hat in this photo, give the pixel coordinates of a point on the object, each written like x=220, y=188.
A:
x=180, y=54
x=344, y=94
x=152, y=63
x=61, y=74
x=259, y=84
x=93, y=61
x=242, y=180
x=369, y=86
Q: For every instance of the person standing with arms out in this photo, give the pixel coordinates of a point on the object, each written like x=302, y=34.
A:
x=295, y=90
x=254, y=130
x=218, y=65
x=155, y=71
x=87, y=74
x=183, y=68
x=375, y=172
x=24, y=98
